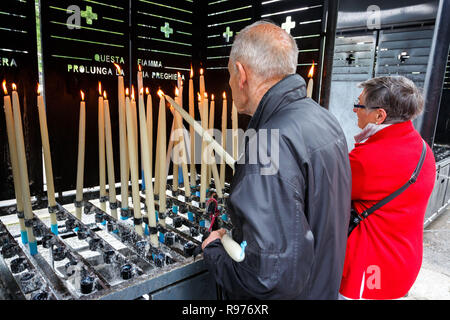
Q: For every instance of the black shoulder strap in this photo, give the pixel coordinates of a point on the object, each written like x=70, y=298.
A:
x=413, y=179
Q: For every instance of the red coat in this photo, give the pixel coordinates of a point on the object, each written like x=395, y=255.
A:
x=387, y=246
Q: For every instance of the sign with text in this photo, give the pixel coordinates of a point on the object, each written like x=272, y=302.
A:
x=82, y=40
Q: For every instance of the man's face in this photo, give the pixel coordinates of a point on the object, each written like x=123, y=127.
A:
x=239, y=97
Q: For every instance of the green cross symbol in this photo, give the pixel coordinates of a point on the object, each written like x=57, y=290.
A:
x=228, y=34
x=166, y=30
x=89, y=15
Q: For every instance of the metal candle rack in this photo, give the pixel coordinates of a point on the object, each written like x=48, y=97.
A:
x=100, y=257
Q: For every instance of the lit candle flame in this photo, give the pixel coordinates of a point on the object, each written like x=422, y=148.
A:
x=212, y=97
x=139, y=67
x=132, y=92
x=4, y=87
x=224, y=95
x=99, y=88
x=199, y=97
x=39, y=89
x=104, y=95
x=14, y=87
x=177, y=92
x=160, y=93
x=311, y=71
x=201, y=71
x=127, y=92
x=147, y=91
x=118, y=68
x=205, y=95
x=141, y=91
x=192, y=72
x=82, y=95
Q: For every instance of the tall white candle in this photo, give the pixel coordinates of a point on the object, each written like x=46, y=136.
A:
x=193, y=169
x=110, y=158
x=150, y=131
x=123, y=145
x=203, y=133
x=182, y=147
x=14, y=160
x=23, y=171
x=149, y=200
x=224, y=138
x=204, y=156
x=133, y=165
x=80, y=162
x=161, y=157
x=101, y=147
x=47, y=157
x=309, y=89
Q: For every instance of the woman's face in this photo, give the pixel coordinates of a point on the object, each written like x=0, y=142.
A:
x=365, y=115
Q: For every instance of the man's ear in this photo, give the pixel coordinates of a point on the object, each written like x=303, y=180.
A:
x=242, y=75
x=381, y=115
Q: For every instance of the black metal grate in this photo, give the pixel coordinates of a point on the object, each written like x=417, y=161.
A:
x=354, y=57
x=447, y=74
x=405, y=53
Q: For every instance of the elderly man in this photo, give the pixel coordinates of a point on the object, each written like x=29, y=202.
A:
x=295, y=216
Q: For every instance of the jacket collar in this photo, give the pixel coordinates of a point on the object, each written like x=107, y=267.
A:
x=394, y=130
x=292, y=86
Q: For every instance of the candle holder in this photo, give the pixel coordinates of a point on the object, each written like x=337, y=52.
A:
x=18, y=265
x=9, y=250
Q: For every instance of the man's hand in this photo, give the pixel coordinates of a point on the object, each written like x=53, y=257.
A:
x=218, y=234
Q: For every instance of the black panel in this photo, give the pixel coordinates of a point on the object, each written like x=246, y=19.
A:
x=18, y=64
x=443, y=125
x=76, y=59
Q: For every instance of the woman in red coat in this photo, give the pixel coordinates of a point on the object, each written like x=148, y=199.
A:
x=384, y=252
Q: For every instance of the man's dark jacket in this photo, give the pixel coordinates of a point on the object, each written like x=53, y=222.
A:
x=295, y=218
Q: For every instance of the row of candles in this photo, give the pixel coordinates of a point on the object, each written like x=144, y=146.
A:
x=128, y=133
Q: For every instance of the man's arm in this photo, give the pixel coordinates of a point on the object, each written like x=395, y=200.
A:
x=280, y=244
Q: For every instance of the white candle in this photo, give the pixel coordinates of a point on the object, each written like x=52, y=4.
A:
x=161, y=157
x=224, y=138
x=211, y=131
x=101, y=147
x=110, y=157
x=149, y=200
x=24, y=182
x=203, y=133
x=14, y=159
x=309, y=89
x=182, y=148
x=123, y=145
x=191, y=129
x=81, y=146
x=204, y=157
x=140, y=80
x=150, y=131
x=133, y=165
x=47, y=156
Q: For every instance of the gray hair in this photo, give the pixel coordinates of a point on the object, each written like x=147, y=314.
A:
x=397, y=95
x=269, y=52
